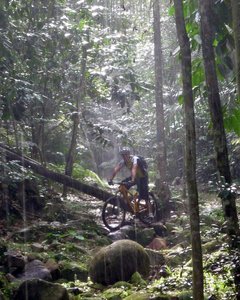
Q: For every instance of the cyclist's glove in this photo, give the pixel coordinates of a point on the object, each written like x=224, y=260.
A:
x=110, y=182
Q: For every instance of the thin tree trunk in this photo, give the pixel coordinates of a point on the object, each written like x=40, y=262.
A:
x=72, y=149
x=219, y=136
x=190, y=154
x=76, y=121
x=162, y=189
x=161, y=159
x=236, y=32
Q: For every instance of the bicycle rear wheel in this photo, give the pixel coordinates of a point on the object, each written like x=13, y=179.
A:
x=144, y=211
x=113, y=214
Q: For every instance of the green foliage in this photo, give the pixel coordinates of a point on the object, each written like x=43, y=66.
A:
x=231, y=122
x=81, y=174
x=70, y=233
x=11, y=172
x=137, y=280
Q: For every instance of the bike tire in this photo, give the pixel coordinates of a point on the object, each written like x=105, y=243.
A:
x=143, y=214
x=113, y=213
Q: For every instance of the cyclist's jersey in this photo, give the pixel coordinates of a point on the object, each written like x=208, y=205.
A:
x=133, y=161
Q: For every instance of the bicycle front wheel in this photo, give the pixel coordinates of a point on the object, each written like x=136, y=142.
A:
x=113, y=214
x=147, y=210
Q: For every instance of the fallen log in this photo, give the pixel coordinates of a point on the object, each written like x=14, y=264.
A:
x=57, y=177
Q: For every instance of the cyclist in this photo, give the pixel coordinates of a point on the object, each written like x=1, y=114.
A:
x=139, y=176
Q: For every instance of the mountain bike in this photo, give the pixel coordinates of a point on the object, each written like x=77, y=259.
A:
x=125, y=201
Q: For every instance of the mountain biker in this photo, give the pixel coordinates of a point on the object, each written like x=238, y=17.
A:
x=139, y=176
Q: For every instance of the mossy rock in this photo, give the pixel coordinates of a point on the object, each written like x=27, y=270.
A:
x=138, y=296
x=113, y=293
x=118, y=262
x=144, y=236
x=146, y=296
x=41, y=290
x=137, y=279
x=122, y=284
x=72, y=271
x=185, y=295
x=211, y=246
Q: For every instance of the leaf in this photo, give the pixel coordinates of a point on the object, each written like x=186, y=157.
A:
x=181, y=99
x=232, y=122
x=79, y=237
x=171, y=11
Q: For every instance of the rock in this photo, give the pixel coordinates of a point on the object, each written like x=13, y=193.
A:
x=146, y=296
x=35, y=269
x=113, y=294
x=53, y=267
x=14, y=261
x=178, y=255
x=122, y=284
x=37, y=289
x=118, y=261
x=73, y=271
x=36, y=247
x=139, y=296
x=144, y=236
x=211, y=246
x=157, y=244
x=156, y=258
x=117, y=235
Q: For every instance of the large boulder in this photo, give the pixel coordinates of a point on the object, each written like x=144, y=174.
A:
x=118, y=262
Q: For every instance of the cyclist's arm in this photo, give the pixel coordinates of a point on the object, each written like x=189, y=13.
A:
x=134, y=169
x=115, y=171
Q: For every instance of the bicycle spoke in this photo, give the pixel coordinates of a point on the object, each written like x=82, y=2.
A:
x=147, y=211
x=113, y=214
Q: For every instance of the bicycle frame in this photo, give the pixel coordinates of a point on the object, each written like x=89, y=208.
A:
x=129, y=198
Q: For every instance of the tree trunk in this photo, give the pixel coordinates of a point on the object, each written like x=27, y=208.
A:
x=190, y=154
x=72, y=149
x=219, y=136
x=76, y=121
x=161, y=159
x=60, y=178
x=236, y=32
x=161, y=185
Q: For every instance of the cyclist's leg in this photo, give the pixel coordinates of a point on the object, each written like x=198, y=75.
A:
x=142, y=188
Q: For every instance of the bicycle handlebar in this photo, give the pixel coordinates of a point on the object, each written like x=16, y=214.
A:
x=121, y=182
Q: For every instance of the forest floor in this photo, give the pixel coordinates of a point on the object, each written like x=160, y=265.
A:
x=71, y=229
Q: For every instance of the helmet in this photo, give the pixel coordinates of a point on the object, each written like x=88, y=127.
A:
x=124, y=150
